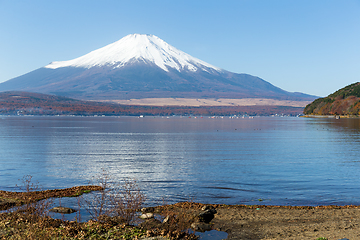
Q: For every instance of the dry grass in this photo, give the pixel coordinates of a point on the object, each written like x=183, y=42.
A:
x=119, y=201
x=31, y=220
x=126, y=200
x=25, y=226
x=113, y=209
x=10, y=199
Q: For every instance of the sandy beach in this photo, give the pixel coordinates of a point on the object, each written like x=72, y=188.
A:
x=255, y=222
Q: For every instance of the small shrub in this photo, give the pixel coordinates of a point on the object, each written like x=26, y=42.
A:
x=127, y=199
x=120, y=201
x=33, y=206
x=97, y=205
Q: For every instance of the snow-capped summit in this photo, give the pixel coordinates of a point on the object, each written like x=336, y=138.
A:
x=143, y=66
x=137, y=47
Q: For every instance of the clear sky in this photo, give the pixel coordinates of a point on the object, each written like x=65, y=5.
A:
x=309, y=46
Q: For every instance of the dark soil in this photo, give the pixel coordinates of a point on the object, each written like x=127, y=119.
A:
x=283, y=222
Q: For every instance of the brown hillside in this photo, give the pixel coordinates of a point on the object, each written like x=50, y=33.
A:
x=345, y=101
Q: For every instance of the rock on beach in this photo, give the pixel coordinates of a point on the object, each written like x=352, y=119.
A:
x=62, y=210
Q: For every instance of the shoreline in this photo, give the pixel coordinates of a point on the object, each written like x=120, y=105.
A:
x=238, y=221
x=330, y=116
x=22, y=197
x=10, y=199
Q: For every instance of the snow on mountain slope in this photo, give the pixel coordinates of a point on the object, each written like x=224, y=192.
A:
x=143, y=66
x=137, y=47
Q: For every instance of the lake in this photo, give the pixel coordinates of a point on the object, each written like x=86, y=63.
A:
x=260, y=160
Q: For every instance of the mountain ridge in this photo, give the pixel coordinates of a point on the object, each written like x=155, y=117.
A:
x=143, y=66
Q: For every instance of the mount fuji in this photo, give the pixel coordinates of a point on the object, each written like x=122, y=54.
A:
x=143, y=66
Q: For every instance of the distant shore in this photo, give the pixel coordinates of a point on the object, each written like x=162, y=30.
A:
x=331, y=116
x=210, y=102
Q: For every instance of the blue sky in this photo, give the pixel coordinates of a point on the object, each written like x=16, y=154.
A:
x=310, y=46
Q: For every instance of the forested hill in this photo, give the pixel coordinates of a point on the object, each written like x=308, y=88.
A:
x=345, y=101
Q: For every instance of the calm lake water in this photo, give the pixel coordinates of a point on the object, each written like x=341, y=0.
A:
x=287, y=161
